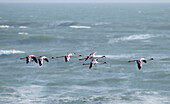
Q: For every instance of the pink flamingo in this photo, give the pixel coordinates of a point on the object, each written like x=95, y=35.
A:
x=43, y=58
x=91, y=56
x=94, y=62
x=28, y=58
x=139, y=62
x=67, y=57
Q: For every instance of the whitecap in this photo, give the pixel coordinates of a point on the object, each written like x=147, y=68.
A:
x=80, y=27
x=23, y=27
x=8, y=52
x=5, y=26
x=151, y=97
x=101, y=23
x=118, y=56
x=131, y=37
x=23, y=33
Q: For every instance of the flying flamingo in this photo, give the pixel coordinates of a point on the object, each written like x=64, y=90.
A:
x=91, y=56
x=94, y=62
x=43, y=58
x=139, y=62
x=28, y=58
x=67, y=57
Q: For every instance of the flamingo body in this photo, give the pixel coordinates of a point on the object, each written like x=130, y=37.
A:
x=41, y=60
x=28, y=58
x=139, y=62
x=94, y=62
x=92, y=56
x=67, y=58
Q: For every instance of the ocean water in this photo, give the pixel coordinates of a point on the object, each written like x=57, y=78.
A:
x=121, y=32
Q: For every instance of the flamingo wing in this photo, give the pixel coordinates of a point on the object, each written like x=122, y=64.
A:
x=86, y=58
x=46, y=59
x=91, y=64
x=93, y=53
x=27, y=60
x=40, y=63
x=90, y=56
x=66, y=59
x=35, y=59
x=144, y=61
x=139, y=64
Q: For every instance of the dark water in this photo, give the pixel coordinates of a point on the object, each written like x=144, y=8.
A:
x=122, y=32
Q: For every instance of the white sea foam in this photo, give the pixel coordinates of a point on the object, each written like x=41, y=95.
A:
x=28, y=93
x=150, y=97
x=5, y=26
x=118, y=56
x=81, y=27
x=131, y=37
x=117, y=98
x=8, y=52
x=22, y=33
x=23, y=27
x=101, y=23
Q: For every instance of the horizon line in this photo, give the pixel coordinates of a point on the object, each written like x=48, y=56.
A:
x=86, y=2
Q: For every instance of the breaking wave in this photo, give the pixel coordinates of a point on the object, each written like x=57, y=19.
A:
x=8, y=52
x=118, y=56
x=101, y=23
x=80, y=27
x=23, y=27
x=22, y=33
x=5, y=26
x=131, y=37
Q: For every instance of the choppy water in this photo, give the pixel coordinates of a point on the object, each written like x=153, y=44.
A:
x=122, y=32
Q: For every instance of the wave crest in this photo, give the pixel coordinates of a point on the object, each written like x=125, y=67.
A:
x=118, y=56
x=131, y=37
x=5, y=26
x=8, y=52
x=101, y=23
x=80, y=27
x=23, y=27
x=67, y=23
x=22, y=33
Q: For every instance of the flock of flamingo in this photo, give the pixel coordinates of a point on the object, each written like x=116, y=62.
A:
x=92, y=56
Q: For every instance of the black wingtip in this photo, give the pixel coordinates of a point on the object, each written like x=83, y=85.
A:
x=66, y=59
x=90, y=65
x=39, y=62
x=86, y=58
x=27, y=60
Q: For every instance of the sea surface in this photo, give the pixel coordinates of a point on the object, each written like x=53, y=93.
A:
x=121, y=32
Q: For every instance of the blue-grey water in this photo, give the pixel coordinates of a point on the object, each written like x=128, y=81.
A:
x=121, y=32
